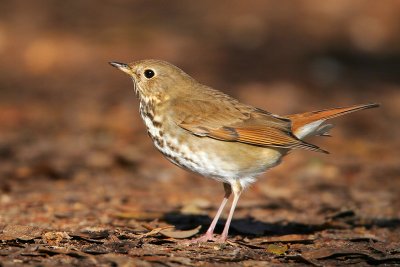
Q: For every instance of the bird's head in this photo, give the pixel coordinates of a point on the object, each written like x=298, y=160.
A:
x=156, y=79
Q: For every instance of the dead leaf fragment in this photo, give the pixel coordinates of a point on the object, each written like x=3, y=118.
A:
x=180, y=234
x=277, y=249
x=21, y=232
x=54, y=238
x=95, y=249
x=327, y=253
x=154, y=231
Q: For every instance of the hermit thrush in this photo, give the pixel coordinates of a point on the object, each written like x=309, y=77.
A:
x=210, y=133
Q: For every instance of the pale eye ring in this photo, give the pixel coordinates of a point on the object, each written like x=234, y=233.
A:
x=148, y=73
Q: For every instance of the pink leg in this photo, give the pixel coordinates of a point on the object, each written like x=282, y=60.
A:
x=237, y=190
x=209, y=235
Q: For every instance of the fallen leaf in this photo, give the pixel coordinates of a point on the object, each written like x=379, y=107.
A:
x=95, y=249
x=85, y=237
x=95, y=233
x=54, y=238
x=154, y=231
x=180, y=234
x=327, y=253
x=21, y=232
x=277, y=249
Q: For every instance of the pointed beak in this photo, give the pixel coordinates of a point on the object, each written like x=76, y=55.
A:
x=121, y=66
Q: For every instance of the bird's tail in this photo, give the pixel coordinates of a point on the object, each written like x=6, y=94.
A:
x=313, y=123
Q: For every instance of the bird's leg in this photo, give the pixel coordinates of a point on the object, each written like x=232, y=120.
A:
x=209, y=235
x=237, y=190
x=228, y=192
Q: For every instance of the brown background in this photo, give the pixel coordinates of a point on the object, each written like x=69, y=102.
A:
x=75, y=157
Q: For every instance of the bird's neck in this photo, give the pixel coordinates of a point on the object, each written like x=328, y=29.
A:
x=147, y=107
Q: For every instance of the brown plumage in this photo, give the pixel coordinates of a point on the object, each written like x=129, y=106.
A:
x=212, y=134
x=301, y=119
x=236, y=122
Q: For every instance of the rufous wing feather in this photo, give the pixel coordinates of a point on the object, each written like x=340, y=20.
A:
x=242, y=123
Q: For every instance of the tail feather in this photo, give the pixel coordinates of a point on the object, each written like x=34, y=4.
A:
x=311, y=123
x=323, y=130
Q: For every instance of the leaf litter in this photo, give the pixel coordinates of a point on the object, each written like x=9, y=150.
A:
x=82, y=185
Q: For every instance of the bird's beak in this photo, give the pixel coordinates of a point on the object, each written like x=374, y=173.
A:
x=121, y=66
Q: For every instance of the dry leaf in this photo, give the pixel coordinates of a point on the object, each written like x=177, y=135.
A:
x=54, y=238
x=21, y=232
x=180, y=234
x=154, y=231
x=277, y=249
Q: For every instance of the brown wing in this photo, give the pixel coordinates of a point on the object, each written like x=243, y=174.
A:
x=229, y=120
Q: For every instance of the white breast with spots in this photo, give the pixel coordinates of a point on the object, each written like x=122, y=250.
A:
x=199, y=161
x=180, y=153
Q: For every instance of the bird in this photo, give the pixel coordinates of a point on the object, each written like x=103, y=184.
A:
x=210, y=133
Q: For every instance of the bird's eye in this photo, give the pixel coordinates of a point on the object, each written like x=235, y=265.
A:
x=149, y=73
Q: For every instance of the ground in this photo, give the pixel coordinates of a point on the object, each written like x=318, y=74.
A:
x=105, y=196
x=81, y=184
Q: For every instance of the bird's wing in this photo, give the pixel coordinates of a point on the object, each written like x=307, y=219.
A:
x=229, y=120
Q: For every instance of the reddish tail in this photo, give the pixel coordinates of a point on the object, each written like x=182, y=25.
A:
x=311, y=123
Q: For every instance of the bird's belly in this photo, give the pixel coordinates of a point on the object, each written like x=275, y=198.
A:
x=223, y=161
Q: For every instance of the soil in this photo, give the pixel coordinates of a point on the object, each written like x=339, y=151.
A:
x=81, y=184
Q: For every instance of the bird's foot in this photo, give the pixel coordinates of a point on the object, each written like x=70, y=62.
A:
x=221, y=239
x=202, y=239
x=206, y=238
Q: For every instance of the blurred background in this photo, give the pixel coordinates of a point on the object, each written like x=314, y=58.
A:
x=73, y=148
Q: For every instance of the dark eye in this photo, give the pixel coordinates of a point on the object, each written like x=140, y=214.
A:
x=149, y=73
